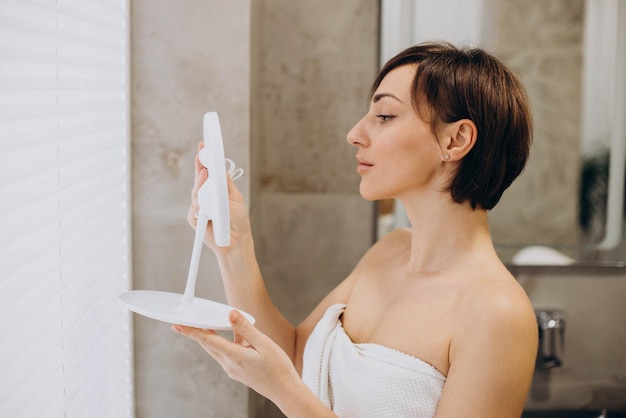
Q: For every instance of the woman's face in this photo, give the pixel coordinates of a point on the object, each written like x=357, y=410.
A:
x=397, y=152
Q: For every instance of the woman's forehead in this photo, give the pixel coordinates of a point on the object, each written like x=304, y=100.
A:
x=397, y=83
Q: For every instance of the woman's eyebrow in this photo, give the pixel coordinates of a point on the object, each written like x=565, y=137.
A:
x=377, y=97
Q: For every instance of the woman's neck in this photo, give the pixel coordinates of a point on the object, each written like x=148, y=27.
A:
x=444, y=232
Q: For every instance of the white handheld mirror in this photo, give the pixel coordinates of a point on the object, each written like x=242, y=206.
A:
x=186, y=309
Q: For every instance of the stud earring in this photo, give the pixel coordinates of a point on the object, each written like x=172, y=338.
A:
x=447, y=157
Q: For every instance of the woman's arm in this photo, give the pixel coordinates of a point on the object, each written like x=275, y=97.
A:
x=238, y=265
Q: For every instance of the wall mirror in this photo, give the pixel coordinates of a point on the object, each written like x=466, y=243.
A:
x=567, y=208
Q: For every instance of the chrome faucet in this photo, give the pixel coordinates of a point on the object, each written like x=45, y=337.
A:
x=551, y=338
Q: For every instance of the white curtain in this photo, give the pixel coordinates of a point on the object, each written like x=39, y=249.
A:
x=65, y=346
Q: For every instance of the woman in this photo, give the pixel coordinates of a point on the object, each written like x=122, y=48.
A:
x=430, y=322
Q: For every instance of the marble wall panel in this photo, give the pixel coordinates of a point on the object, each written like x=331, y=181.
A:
x=542, y=42
x=313, y=64
x=309, y=243
x=316, y=62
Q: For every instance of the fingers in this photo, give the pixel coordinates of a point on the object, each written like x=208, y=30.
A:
x=236, y=199
x=191, y=216
x=252, y=358
x=206, y=338
x=198, y=164
x=200, y=176
x=233, y=191
x=196, y=334
x=216, y=346
x=198, y=172
x=244, y=332
x=199, y=179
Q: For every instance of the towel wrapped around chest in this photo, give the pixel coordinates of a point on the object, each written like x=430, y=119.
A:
x=367, y=380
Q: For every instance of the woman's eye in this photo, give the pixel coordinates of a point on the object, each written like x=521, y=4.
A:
x=385, y=118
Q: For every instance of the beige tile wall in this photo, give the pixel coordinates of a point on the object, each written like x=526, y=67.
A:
x=316, y=61
x=542, y=42
x=313, y=64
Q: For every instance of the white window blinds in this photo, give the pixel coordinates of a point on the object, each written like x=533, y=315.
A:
x=65, y=346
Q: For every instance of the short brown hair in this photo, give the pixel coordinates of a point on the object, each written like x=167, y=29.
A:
x=461, y=83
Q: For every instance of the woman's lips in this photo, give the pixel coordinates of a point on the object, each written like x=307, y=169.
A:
x=363, y=166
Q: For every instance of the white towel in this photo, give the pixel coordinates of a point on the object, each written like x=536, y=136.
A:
x=367, y=380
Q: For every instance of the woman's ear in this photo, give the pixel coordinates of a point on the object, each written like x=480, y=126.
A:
x=460, y=139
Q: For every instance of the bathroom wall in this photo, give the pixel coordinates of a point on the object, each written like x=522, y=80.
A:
x=188, y=57
x=312, y=72
x=593, y=374
x=543, y=43
x=313, y=63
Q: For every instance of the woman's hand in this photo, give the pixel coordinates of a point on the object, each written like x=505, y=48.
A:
x=239, y=220
x=252, y=358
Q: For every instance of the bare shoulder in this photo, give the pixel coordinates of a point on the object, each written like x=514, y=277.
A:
x=493, y=349
x=497, y=300
x=495, y=318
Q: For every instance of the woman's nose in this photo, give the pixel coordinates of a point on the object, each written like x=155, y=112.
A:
x=356, y=135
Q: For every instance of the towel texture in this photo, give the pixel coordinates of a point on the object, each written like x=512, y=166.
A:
x=367, y=380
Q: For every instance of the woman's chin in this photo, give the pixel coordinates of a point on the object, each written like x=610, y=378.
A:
x=370, y=195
